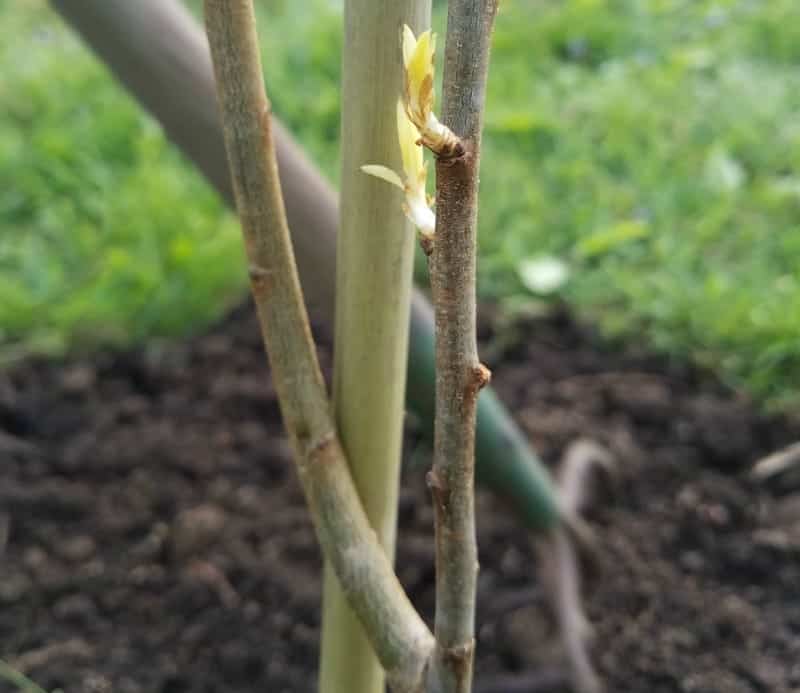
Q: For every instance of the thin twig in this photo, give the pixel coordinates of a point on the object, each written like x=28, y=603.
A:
x=401, y=640
x=460, y=375
x=561, y=572
x=777, y=462
x=582, y=463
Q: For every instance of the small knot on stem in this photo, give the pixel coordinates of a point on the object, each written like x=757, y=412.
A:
x=259, y=276
x=449, y=146
x=319, y=450
x=439, y=490
x=458, y=661
x=479, y=378
x=453, y=152
x=482, y=376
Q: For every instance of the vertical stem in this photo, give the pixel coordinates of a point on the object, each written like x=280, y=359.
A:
x=156, y=49
x=361, y=565
x=373, y=291
x=504, y=459
x=460, y=374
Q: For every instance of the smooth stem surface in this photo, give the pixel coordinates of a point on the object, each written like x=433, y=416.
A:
x=375, y=249
x=362, y=568
x=460, y=374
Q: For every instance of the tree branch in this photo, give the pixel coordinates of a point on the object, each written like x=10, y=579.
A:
x=401, y=640
x=460, y=374
x=156, y=49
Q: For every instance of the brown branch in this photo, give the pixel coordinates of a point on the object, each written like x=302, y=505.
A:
x=401, y=640
x=561, y=576
x=558, y=557
x=460, y=374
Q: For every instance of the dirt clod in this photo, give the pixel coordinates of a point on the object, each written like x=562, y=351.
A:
x=196, y=529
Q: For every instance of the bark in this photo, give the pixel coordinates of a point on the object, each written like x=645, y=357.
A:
x=401, y=640
x=460, y=375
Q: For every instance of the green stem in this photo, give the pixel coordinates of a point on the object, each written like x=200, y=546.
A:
x=362, y=568
x=375, y=249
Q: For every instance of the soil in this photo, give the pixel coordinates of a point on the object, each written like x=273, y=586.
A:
x=154, y=538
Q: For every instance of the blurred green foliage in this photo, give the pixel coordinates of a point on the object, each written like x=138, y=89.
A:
x=105, y=233
x=652, y=147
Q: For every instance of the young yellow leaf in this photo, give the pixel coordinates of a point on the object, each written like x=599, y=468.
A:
x=384, y=173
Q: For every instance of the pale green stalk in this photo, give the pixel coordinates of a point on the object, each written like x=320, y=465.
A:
x=401, y=639
x=373, y=293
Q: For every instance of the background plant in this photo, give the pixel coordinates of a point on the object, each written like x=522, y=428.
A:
x=666, y=130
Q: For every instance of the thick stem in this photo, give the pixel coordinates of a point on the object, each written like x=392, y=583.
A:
x=400, y=638
x=156, y=49
x=460, y=374
x=375, y=253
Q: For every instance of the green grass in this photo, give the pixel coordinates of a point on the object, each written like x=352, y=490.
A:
x=105, y=233
x=655, y=148
x=652, y=146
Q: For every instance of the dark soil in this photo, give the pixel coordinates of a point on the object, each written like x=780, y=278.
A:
x=155, y=538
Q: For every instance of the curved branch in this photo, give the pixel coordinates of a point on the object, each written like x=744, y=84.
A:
x=401, y=639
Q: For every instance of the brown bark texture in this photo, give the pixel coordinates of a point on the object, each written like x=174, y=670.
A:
x=460, y=375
